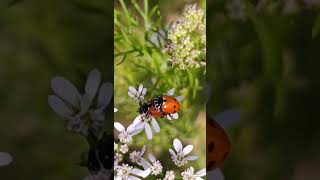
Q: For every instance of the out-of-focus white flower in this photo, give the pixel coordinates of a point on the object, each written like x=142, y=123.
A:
x=115, y=146
x=115, y=110
x=137, y=94
x=126, y=172
x=83, y=111
x=188, y=174
x=215, y=174
x=124, y=148
x=142, y=122
x=169, y=175
x=179, y=157
x=137, y=156
x=125, y=136
x=5, y=159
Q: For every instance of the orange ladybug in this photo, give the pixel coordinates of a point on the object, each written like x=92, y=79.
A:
x=218, y=144
x=160, y=106
x=170, y=104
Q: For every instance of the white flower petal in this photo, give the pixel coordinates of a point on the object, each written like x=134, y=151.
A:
x=179, y=98
x=131, y=128
x=5, y=159
x=170, y=92
x=177, y=145
x=137, y=120
x=187, y=149
x=140, y=173
x=191, y=158
x=175, y=116
x=92, y=84
x=215, y=174
x=59, y=107
x=201, y=172
x=133, y=178
x=119, y=127
x=66, y=90
x=148, y=131
x=169, y=117
x=131, y=94
x=145, y=164
x=105, y=95
x=172, y=152
x=155, y=125
x=152, y=158
x=140, y=89
x=132, y=90
x=140, y=125
x=144, y=91
x=115, y=110
x=143, y=150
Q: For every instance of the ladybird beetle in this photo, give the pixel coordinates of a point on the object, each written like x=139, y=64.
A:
x=160, y=106
x=218, y=144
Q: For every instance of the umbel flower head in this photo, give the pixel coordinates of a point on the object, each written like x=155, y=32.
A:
x=186, y=44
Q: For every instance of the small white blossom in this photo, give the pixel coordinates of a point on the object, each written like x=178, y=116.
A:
x=125, y=136
x=189, y=174
x=179, y=157
x=126, y=172
x=142, y=122
x=154, y=165
x=124, y=148
x=169, y=175
x=136, y=156
x=137, y=94
x=118, y=157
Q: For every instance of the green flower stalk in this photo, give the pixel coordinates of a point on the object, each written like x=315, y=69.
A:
x=186, y=44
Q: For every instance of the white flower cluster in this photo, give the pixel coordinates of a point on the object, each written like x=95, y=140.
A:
x=133, y=164
x=187, y=39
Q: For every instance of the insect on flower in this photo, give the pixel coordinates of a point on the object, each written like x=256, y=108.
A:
x=161, y=106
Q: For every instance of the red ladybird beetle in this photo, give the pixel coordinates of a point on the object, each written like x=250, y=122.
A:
x=160, y=106
x=218, y=144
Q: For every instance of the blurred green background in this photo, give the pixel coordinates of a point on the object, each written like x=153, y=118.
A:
x=39, y=40
x=263, y=58
x=140, y=59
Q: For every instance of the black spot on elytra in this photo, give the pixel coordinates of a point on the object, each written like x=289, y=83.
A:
x=174, y=112
x=211, y=147
x=174, y=106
